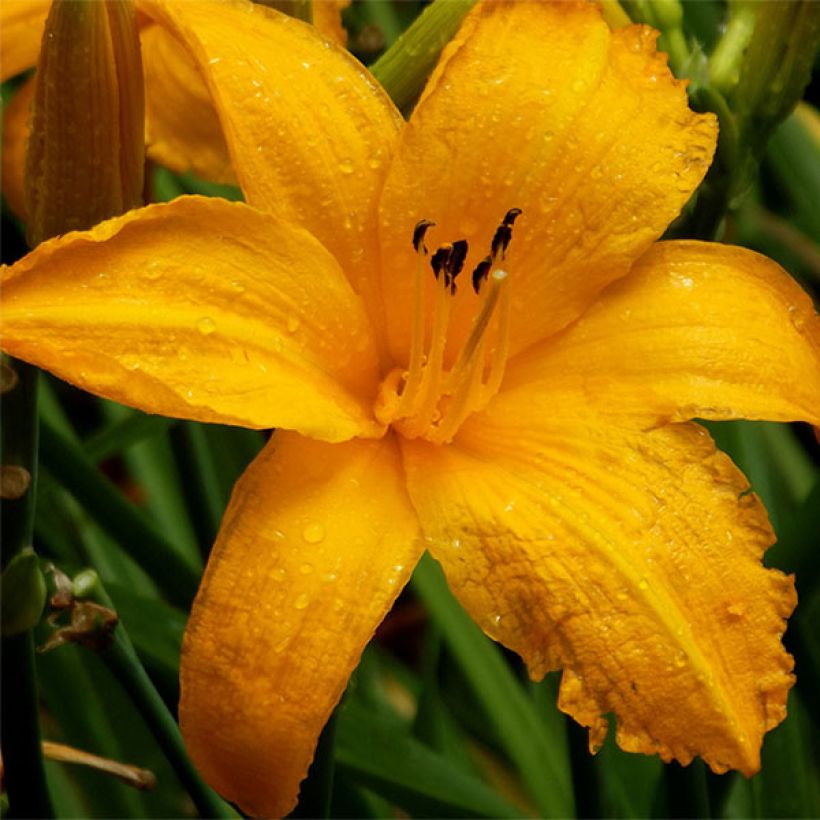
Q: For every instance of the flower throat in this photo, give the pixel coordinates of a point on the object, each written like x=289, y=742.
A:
x=428, y=400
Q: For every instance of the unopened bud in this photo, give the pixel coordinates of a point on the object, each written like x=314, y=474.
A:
x=85, y=158
x=24, y=593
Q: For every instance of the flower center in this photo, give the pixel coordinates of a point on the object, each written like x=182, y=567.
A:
x=428, y=399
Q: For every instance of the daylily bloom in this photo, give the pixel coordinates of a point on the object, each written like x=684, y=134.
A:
x=533, y=432
x=182, y=128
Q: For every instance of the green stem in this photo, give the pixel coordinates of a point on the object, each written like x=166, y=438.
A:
x=403, y=69
x=24, y=773
x=173, y=574
x=20, y=731
x=121, y=658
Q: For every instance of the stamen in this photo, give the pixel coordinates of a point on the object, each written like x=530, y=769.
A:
x=422, y=226
x=440, y=260
x=416, y=365
x=456, y=262
x=481, y=272
x=481, y=321
x=465, y=381
x=424, y=401
x=427, y=400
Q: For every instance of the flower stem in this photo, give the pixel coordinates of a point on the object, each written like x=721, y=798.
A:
x=20, y=730
x=121, y=658
x=403, y=69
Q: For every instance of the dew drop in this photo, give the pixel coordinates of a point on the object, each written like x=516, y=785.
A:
x=313, y=533
x=153, y=271
x=797, y=317
x=306, y=569
x=293, y=324
x=643, y=584
x=278, y=574
x=301, y=602
x=346, y=166
x=206, y=325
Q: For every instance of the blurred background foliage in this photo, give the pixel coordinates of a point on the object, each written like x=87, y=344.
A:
x=437, y=720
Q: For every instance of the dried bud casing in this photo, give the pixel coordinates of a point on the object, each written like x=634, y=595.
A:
x=86, y=153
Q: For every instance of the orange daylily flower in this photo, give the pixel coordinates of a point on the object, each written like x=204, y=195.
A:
x=535, y=435
x=182, y=128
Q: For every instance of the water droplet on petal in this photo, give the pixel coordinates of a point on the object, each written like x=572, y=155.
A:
x=206, y=325
x=346, y=166
x=313, y=533
x=293, y=324
x=306, y=569
x=152, y=271
x=301, y=602
x=278, y=574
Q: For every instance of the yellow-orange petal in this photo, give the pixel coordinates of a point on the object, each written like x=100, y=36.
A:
x=182, y=129
x=316, y=544
x=309, y=130
x=21, y=29
x=327, y=19
x=696, y=330
x=200, y=309
x=539, y=106
x=630, y=559
x=16, y=129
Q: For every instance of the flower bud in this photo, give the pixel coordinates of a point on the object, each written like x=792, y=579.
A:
x=23, y=593
x=85, y=159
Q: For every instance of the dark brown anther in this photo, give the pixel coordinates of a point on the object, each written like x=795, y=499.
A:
x=503, y=234
x=481, y=272
x=501, y=240
x=441, y=260
x=456, y=262
x=511, y=216
x=422, y=226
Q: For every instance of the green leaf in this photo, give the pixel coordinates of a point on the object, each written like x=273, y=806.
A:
x=376, y=751
x=540, y=756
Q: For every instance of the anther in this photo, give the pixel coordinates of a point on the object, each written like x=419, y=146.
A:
x=456, y=262
x=503, y=234
x=441, y=259
x=422, y=226
x=511, y=216
x=481, y=272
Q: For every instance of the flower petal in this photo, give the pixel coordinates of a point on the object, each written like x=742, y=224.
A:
x=182, y=129
x=316, y=544
x=327, y=19
x=15, y=140
x=201, y=309
x=696, y=330
x=540, y=106
x=629, y=558
x=21, y=29
x=309, y=130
